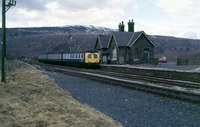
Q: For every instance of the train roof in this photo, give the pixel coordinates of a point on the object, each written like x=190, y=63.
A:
x=61, y=52
x=92, y=51
x=56, y=52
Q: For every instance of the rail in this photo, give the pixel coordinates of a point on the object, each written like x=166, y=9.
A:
x=182, y=90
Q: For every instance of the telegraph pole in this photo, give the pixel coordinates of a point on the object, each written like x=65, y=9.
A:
x=5, y=8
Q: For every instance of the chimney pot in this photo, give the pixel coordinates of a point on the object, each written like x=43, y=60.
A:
x=121, y=27
x=131, y=26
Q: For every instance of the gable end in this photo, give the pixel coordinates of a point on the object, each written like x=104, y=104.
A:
x=143, y=33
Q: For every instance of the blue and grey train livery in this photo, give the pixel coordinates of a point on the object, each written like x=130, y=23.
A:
x=82, y=58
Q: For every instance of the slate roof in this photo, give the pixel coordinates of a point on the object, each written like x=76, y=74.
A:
x=128, y=38
x=106, y=52
x=122, y=38
x=104, y=40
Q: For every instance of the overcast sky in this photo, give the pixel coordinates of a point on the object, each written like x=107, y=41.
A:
x=179, y=18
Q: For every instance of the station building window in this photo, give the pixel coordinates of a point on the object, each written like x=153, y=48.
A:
x=125, y=53
x=114, y=54
x=146, y=53
x=136, y=53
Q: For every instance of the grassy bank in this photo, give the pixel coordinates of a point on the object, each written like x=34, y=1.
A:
x=30, y=99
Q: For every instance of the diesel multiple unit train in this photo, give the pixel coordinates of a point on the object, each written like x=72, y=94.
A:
x=78, y=59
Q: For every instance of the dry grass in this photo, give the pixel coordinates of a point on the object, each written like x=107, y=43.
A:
x=30, y=99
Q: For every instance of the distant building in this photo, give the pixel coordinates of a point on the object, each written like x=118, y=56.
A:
x=83, y=46
x=125, y=47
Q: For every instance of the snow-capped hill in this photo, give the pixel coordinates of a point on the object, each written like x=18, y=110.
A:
x=87, y=29
x=80, y=29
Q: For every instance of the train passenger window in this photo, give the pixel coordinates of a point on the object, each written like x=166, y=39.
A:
x=75, y=56
x=95, y=56
x=71, y=56
x=78, y=56
x=82, y=55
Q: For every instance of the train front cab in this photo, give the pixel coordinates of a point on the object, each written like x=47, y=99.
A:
x=92, y=59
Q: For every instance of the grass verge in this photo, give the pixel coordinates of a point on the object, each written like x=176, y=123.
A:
x=30, y=99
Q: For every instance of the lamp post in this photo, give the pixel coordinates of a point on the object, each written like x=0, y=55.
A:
x=5, y=8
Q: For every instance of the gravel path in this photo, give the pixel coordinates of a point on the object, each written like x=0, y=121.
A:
x=129, y=107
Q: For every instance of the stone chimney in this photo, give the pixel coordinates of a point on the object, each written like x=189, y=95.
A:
x=121, y=27
x=131, y=26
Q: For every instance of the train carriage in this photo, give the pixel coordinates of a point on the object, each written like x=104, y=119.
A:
x=80, y=59
x=43, y=57
x=55, y=57
x=85, y=58
x=73, y=58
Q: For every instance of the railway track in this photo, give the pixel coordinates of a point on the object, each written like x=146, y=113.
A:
x=182, y=90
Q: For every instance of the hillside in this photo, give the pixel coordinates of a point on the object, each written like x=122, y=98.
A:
x=169, y=44
x=34, y=45
x=30, y=42
x=174, y=47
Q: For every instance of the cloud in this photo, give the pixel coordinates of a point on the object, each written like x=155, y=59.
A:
x=168, y=29
x=179, y=17
x=70, y=12
x=31, y=4
x=170, y=17
x=189, y=34
x=182, y=9
x=74, y=5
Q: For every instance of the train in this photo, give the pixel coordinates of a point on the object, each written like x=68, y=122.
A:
x=87, y=59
